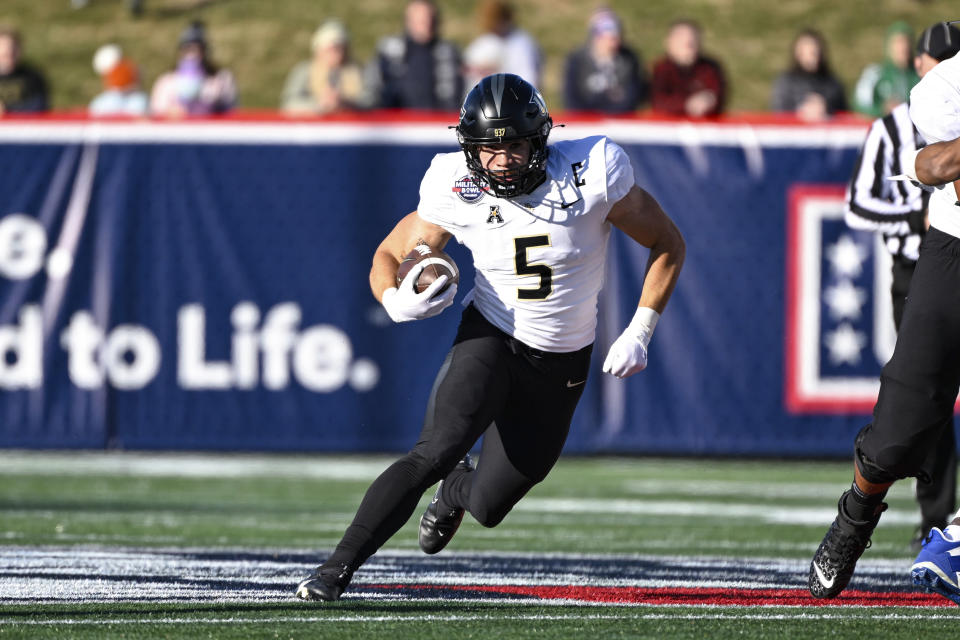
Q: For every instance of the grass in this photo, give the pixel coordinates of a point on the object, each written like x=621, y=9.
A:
x=440, y=621
x=260, y=41
x=741, y=510
x=308, y=512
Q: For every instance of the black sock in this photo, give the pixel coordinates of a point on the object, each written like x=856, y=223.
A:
x=862, y=506
x=455, y=492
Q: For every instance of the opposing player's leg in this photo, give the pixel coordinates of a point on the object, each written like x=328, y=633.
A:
x=471, y=387
x=917, y=392
x=938, y=496
x=526, y=439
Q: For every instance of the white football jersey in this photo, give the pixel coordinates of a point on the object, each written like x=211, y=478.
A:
x=539, y=257
x=935, y=110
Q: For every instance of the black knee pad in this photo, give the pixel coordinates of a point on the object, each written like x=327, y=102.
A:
x=881, y=463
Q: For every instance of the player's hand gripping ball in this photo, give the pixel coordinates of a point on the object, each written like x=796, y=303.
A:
x=435, y=263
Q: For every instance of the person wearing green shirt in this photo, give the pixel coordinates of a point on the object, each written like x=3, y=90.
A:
x=884, y=85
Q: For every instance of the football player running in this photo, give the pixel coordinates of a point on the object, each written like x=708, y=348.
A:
x=918, y=386
x=537, y=220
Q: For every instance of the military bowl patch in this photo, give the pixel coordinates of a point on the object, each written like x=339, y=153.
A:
x=468, y=188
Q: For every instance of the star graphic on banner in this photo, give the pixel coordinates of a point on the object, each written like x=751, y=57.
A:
x=845, y=344
x=846, y=257
x=844, y=300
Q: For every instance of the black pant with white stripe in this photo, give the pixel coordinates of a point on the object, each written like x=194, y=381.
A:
x=919, y=386
x=519, y=399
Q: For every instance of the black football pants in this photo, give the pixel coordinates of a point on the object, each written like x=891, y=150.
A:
x=521, y=398
x=937, y=497
x=912, y=431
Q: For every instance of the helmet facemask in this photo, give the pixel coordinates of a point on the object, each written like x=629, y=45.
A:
x=515, y=181
x=504, y=108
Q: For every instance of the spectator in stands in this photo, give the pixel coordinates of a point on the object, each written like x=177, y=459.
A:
x=685, y=81
x=502, y=47
x=884, y=85
x=808, y=88
x=196, y=86
x=604, y=74
x=483, y=57
x=418, y=70
x=23, y=89
x=330, y=81
x=121, y=93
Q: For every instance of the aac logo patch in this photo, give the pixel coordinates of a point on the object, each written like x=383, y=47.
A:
x=494, y=215
x=469, y=189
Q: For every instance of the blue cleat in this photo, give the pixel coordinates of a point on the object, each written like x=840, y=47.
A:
x=937, y=568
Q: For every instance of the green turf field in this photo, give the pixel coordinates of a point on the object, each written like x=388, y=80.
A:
x=137, y=545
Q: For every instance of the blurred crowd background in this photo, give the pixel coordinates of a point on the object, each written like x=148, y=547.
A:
x=691, y=58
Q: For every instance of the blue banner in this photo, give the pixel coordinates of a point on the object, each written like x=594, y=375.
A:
x=205, y=287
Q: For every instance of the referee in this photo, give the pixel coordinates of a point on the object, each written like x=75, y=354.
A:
x=897, y=209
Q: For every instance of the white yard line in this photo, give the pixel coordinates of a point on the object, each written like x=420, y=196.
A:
x=698, y=509
x=190, y=465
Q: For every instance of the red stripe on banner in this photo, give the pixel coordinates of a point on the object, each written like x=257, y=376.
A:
x=692, y=596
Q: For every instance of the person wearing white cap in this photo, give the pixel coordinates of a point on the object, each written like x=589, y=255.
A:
x=330, y=81
x=121, y=81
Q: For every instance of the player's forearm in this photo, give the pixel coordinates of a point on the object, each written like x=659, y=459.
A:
x=383, y=273
x=938, y=163
x=663, y=270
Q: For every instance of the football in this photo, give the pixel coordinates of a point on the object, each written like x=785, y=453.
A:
x=436, y=264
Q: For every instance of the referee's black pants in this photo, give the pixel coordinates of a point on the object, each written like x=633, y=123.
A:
x=918, y=387
x=519, y=399
x=937, y=496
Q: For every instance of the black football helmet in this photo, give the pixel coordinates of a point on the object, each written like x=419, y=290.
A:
x=501, y=108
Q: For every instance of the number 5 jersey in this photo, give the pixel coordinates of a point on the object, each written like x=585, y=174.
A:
x=539, y=257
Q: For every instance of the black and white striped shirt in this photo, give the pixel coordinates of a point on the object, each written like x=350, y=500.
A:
x=894, y=208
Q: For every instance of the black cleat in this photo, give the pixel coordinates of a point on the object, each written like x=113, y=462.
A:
x=837, y=556
x=438, y=523
x=326, y=583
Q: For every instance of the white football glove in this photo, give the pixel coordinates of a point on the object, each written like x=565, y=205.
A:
x=628, y=353
x=405, y=304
